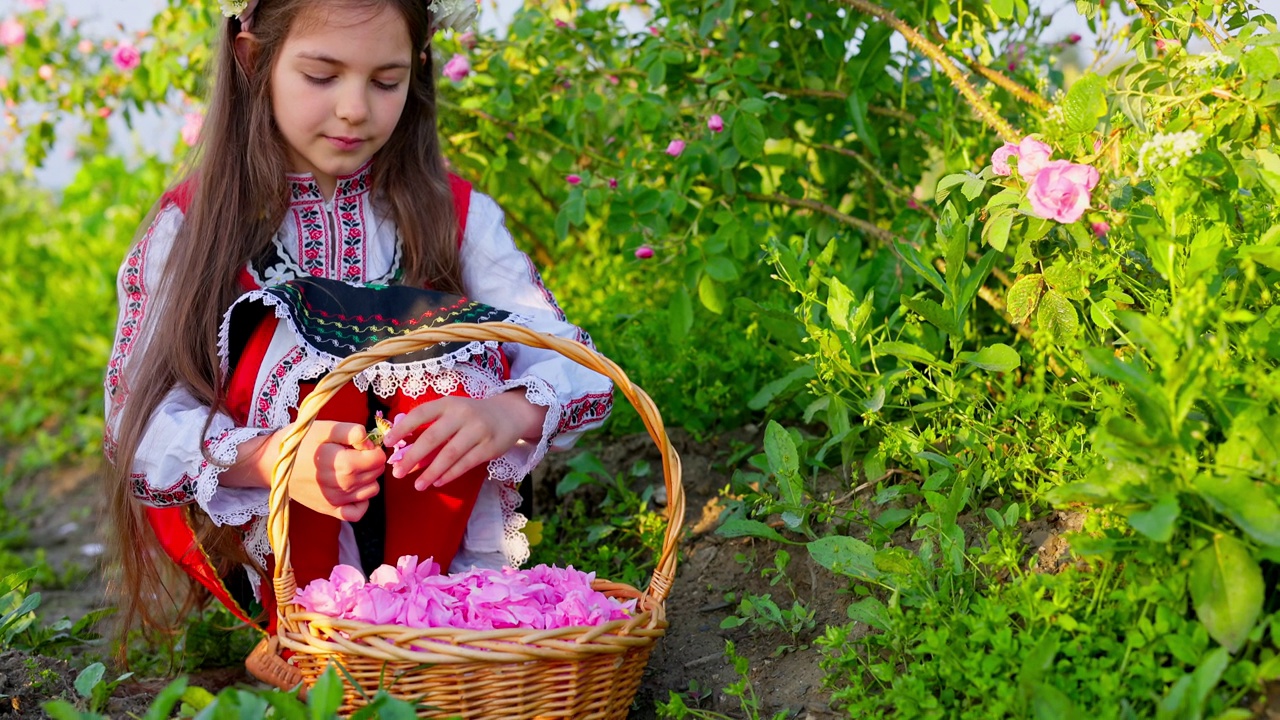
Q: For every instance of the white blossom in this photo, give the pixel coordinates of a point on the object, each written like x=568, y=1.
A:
x=1166, y=150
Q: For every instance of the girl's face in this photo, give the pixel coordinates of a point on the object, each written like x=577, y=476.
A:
x=339, y=87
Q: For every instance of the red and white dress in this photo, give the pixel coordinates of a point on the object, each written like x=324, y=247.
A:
x=350, y=239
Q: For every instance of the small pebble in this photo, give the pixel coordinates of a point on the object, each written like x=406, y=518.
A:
x=66, y=529
x=92, y=549
x=660, y=496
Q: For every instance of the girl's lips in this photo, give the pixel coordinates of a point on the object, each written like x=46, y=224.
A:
x=345, y=143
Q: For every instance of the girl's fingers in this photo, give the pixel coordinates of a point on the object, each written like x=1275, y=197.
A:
x=476, y=455
x=423, y=414
x=352, y=511
x=457, y=448
x=434, y=436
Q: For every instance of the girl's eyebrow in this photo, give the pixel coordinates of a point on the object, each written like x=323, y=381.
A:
x=321, y=57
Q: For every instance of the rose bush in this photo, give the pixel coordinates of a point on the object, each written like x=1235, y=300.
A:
x=982, y=286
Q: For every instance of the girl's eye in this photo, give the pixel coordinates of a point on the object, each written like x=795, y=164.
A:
x=386, y=86
x=317, y=80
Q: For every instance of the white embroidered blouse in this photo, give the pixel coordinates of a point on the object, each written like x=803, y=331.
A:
x=352, y=239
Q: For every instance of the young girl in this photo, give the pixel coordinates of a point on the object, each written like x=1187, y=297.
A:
x=320, y=199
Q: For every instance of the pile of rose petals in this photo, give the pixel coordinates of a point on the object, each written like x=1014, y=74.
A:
x=417, y=595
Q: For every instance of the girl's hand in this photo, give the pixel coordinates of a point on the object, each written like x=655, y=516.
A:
x=336, y=470
x=462, y=432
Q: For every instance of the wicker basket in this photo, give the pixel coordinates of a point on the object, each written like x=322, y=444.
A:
x=514, y=674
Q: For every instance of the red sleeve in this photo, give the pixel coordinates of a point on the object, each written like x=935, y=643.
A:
x=461, y=203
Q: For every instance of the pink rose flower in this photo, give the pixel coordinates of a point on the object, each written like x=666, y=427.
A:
x=457, y=68
x=715, y=123
x=1101, y=229
x=194, y=123
x=613, y=183
x=1074, y=38
x=12, y=33
x=45, y=72
x=104, y=112
x=467, y=40
x=1000, y=159
x=675, y=148
x=644, y=252
x=85, y=47
x=1032, y=155
x=126, y=57
x=573, y=179
x=1061, y=190
x=654, y=30
x=36, y=4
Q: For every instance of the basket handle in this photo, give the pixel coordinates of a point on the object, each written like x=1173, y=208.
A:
x=278, y=515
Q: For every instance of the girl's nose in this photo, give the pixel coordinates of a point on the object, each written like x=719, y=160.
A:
x=353, y=105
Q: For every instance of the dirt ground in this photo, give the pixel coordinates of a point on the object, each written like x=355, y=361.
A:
x=65, y=524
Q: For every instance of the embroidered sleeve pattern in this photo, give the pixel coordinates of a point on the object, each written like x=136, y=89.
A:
x=133, y=285
x=496, y=272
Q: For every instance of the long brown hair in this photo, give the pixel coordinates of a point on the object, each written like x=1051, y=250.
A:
x=239, y=200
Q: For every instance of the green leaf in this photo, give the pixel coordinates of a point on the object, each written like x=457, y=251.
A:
x=1058, y=315
x=1002, y=8
x=325, y=696
x=737, y=527
x=680, y=313
x=845, y=555
x=1023, y=297
x=771, y=390
x=933, y=313
x=748, y=136
x=858, y=113
x=996, y=230
x=784, y=459
x=870, y=611
x=1085, y=103
x=1226, y=590
x=1248, y=504
x=722, y=269
x=1157, y=522
x=946, y=184
x=713, y=295
x=162, y=707
x=63, y=710
x=1066, y=279
x=906, y=351
x=89, y=678
x=996, y=357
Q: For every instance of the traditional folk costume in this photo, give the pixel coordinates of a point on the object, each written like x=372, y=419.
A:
x=329, y=286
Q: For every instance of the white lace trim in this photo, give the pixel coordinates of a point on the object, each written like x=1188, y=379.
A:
x=224, y=453
x=507, y=472
x=258, y=547
x=386, y=378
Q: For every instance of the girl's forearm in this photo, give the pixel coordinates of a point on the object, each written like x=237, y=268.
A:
x=255, y=459
x=526, y=416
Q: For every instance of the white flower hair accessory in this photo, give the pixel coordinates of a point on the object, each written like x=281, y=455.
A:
x=457, y=15
x=239, y=9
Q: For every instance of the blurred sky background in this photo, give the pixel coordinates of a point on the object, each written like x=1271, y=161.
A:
x=158, y=132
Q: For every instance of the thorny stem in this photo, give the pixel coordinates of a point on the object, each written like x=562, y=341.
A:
x=853, y=222
x=894, y=113
x=984, y=110
x=995, y=77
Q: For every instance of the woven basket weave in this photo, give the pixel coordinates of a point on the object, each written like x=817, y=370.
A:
x=513, y=674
